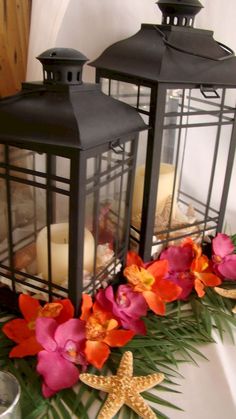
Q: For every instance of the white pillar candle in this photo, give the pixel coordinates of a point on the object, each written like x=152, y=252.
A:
x=165, y=188
x=60, y=252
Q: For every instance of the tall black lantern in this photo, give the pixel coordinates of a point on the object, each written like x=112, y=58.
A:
x=67, y=158
x=183, y=84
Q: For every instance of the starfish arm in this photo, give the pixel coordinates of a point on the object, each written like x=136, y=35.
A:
x=226, y=293
x=138, y=404
x=126, y=365
x=111, y=406
x=99, y=382
x=146, y=382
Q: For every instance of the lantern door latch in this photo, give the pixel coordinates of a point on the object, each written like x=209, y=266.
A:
x=117, y=147
x=209, y=92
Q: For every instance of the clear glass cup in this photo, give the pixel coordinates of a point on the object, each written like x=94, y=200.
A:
x=9, y=396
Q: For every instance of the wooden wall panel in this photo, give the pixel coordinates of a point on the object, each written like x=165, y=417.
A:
x=14, y=35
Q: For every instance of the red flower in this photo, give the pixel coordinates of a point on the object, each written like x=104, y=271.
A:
x=22, y=331
x=203, y=276
x=101, y=332
x=200, y=269
x=151, y=282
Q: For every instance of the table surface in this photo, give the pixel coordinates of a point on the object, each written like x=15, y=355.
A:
x=209, y=388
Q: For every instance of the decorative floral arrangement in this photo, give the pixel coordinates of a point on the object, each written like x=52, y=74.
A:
x=121, y=315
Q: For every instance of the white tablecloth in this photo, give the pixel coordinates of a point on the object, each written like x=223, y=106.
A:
x=209, y=389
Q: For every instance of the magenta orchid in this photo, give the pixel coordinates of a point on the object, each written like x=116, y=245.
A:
x=224, y=260
x=126, y=305
x=62, y=348
x=179, y=261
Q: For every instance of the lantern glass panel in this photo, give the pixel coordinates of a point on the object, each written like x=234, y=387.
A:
x=107, y=196
x=125, y=92
x=137, y=96
x=37, y=199
x=195, y=145
x=190, y=185
x=62, y=167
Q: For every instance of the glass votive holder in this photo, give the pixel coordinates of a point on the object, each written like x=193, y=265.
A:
x=9, y=396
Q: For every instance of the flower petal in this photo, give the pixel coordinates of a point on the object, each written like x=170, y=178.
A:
x=227, y=268
x=73, y=329
x=118, y=338
x=17, y=330
x=105, y=298
x=137, y=325
x=100, y=313
x=154, y=302
x=222, y=245
x=57, y=372
x=51, y=310
x=126, y=303
x=200, y=264
x=158, y=268
x=87, y=304
x=47, y=392
x=29, y=347
x=29, y=307
x=134, y=259
x=199, y=287
x=45, y=331
x=96, y=353
x=184, y=280
x=67, y=312
x=167, y=290
x=195, y=248
x=179, y=258
x=140, y=278
x=209, y=279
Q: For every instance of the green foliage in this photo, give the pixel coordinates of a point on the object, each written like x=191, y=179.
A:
x=170, y=340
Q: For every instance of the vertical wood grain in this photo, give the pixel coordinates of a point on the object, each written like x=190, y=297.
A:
x=14, y=35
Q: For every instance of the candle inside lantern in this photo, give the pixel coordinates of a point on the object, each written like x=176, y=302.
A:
x=60, y=252
x=165, y=189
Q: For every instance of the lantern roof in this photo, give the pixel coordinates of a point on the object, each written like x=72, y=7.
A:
x=63, y=110
x=173, y=52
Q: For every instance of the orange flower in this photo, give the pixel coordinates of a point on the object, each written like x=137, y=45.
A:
x=203, y=276
x=101, y=332
x=196, y=249
x=150, y=281
x=22, y=331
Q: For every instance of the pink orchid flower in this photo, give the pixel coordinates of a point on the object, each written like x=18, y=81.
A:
x=179, y=258
x=224, y=261
x=63, y=347
x=126, y=305
x=179, y=261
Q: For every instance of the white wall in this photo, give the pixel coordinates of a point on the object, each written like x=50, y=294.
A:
x=91, y=25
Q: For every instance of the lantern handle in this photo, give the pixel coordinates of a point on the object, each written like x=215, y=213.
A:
x=169, y=44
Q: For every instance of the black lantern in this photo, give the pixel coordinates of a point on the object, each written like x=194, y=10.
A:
x=67, y=161
x=183, y=84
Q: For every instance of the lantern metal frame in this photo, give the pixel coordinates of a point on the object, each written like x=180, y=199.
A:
x=64, y=118
x=165, y=57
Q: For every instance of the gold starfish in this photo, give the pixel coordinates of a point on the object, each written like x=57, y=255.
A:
x=227, y=294
x=123, y=388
